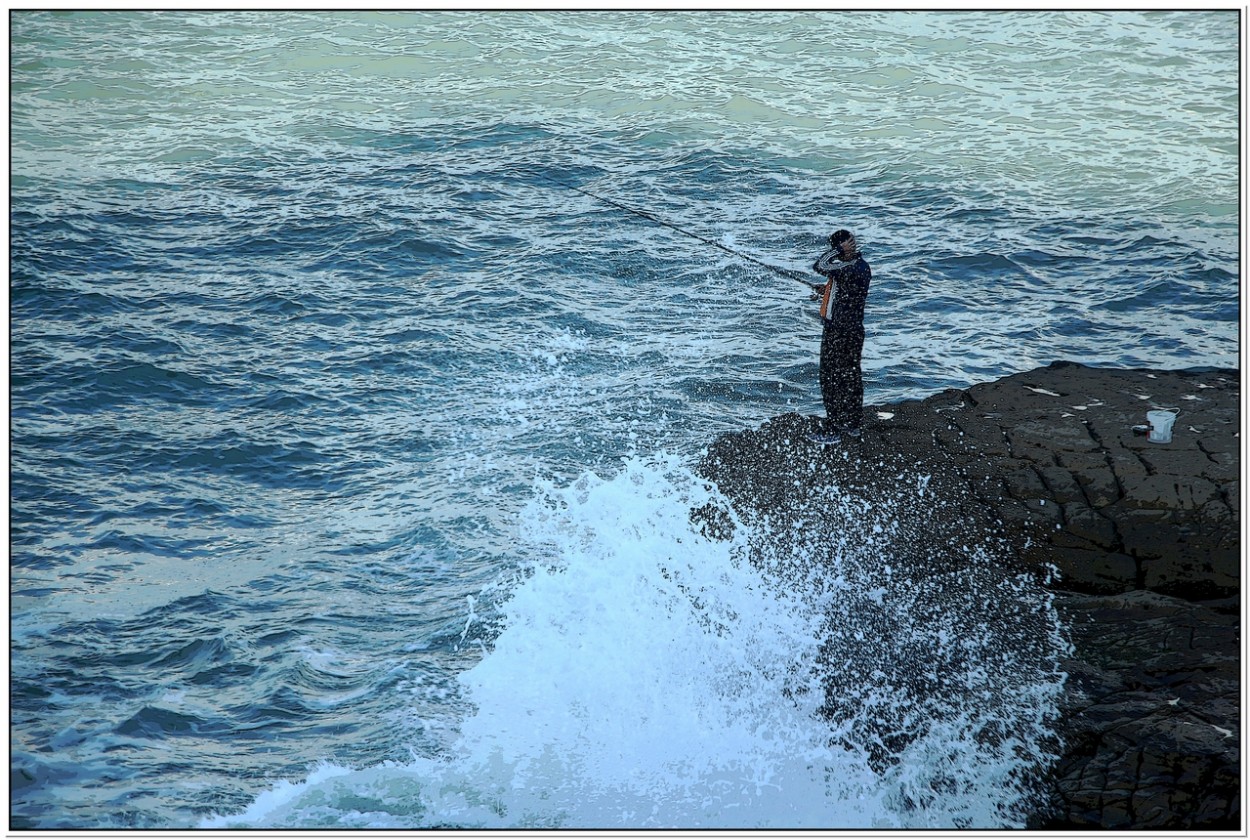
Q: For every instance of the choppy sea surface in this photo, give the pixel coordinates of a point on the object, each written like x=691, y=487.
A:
x=351, y=446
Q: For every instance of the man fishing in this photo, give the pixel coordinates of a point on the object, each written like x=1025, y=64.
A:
x=842, y=300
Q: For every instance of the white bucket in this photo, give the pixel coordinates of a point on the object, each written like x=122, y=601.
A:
x=1160, y=423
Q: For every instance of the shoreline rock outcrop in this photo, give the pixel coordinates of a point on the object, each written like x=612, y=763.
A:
x=1145, y=538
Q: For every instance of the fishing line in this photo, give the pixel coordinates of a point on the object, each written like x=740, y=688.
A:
x=653, y=218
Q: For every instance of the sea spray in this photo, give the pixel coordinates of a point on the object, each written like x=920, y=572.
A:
x=658, y=668
x=641, y=674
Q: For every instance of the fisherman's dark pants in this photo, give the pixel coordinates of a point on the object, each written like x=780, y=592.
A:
x=841, y=381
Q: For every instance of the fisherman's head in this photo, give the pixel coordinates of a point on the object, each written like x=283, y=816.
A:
x=843, y=244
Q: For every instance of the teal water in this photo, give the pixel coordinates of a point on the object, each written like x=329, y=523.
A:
x=349, y=452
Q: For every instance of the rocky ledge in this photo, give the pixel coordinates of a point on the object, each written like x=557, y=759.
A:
x=1145, y=537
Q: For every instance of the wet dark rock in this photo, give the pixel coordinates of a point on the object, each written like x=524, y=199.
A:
x=1151, y=728
x=1145, y=538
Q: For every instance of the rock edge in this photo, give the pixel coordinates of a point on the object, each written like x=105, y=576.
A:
x=1146, y=540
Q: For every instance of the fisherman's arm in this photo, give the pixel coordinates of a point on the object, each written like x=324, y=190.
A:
x=818, y=289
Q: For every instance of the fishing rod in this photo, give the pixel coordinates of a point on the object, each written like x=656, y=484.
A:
x=785, y=272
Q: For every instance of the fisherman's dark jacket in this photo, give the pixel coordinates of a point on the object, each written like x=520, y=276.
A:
x=846, y=294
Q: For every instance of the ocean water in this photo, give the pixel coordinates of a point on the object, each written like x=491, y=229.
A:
x=351, y=448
